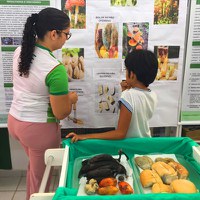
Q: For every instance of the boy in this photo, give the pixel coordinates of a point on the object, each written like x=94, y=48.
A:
x=137, y=102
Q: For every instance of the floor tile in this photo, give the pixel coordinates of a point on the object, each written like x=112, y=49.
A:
x=9, y=183
x=6, y=195
x=20, y=195
x=24, y=173
x=12, y=173
x=22, y=184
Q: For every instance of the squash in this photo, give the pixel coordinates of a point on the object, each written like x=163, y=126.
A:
x=108, y=190
x=108, y=182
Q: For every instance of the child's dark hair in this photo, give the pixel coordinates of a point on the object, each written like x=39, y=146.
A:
x=37, y=25
x=144, y=64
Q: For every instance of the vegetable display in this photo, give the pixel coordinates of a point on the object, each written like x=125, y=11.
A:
x=101, y=172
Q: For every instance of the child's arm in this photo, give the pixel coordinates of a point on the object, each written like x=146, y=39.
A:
x=119, y=133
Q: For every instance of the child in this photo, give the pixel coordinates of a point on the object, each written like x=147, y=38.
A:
x=137, y=102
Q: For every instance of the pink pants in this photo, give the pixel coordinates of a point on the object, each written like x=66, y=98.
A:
x=35, y=138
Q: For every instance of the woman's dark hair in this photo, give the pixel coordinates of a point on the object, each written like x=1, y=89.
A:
x=37, y=25
x=144, y=64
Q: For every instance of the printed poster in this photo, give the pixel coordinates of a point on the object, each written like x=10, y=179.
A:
x=103, y=33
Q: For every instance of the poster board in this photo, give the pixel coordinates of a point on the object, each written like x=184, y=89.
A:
x=161, y=27
x=190, y=110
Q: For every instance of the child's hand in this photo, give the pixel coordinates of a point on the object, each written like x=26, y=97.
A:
x=124, y=85
x=74, y=137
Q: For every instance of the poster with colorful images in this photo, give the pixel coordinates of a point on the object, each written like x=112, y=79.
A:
x=103, y=33
x=115, y=28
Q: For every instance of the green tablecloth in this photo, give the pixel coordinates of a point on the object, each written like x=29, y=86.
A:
x=179, y=146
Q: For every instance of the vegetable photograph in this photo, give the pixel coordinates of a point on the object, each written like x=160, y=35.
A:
x=106, y=40
x=168, y=57
x=73, y=59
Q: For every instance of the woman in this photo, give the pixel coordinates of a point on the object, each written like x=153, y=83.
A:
x=40, y=86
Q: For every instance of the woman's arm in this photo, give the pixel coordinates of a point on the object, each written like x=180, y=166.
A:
x=61, y=101
x=62, y=104
x=119, y=133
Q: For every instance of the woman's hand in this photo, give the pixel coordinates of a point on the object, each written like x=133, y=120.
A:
x=74, y=137
x=73, y=97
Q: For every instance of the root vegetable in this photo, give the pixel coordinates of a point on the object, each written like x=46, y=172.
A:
x=125, y=188
x=91, y=187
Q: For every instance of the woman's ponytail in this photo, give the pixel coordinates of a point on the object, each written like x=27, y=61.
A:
x=37, y=25
x=28, y=45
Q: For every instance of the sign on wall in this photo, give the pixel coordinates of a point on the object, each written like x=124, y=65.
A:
x=190, y=111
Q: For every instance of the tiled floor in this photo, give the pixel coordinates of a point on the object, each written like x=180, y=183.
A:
x=13, y=184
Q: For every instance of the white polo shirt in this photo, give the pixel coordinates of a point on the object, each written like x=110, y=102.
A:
x=47, y=75
x=141, y=103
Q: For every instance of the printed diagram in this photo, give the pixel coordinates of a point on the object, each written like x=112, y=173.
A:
x=106, y=40
x=107, y=99
x=73, y=60
x=166, y=11
x=76, y=10
x=123, y=2
x=135, y=36
x=167, y=62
